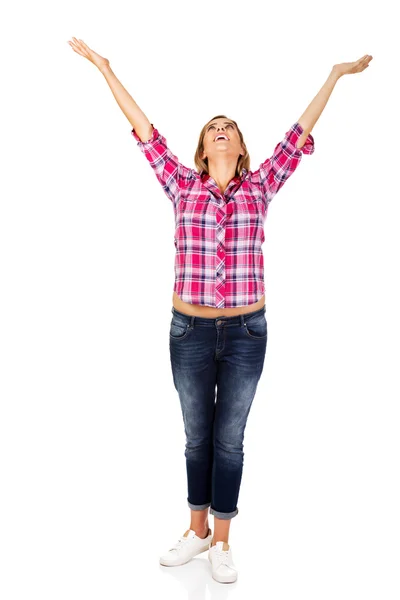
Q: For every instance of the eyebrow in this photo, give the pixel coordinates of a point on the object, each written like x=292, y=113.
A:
x=225, y=122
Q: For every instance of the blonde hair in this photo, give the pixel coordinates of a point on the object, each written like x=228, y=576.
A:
x=202, y=165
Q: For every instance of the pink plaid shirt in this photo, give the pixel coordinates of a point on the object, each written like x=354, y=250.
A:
x=218, y=237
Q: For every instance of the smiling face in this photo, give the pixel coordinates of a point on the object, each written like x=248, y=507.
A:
x=230, y=147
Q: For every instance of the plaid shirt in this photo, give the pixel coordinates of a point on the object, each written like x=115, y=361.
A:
x=218, y=237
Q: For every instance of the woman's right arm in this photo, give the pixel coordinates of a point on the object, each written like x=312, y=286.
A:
x=133, y=113
x=167, y=168
x=131, y=110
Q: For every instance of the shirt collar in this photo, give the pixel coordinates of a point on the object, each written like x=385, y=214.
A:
x=204, y=176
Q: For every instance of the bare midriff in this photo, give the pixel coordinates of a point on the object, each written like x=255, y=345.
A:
x=209, y=312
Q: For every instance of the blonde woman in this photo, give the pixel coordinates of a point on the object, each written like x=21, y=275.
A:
x=218, y=330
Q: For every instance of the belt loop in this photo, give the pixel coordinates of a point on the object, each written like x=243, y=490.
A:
x=192, y=322
x=241, y=320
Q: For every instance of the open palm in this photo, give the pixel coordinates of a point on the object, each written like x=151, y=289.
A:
x=352, y=67
x=81, y=48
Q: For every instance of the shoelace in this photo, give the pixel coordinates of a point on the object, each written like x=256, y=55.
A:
x=222, y=556
x=182, y=540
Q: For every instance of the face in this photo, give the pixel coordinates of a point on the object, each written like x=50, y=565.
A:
x=231, y=147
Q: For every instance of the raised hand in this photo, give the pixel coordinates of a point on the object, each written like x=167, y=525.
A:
x=81, y=48
x=352, y=67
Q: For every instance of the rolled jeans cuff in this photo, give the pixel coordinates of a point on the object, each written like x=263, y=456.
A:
x=221, y=515
x=198, y=506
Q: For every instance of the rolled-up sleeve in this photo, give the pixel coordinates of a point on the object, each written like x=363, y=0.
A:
x=274, y=171
x=164, y=163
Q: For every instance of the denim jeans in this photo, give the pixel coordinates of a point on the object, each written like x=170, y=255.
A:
x=226, y=353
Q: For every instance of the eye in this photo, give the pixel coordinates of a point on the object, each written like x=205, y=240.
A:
x=212, y=126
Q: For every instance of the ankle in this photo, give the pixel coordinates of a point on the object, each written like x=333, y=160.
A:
x=201, y=532
x=214, y=541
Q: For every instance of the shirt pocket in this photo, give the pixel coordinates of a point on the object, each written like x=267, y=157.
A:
x=250, y=217
x=193, y=204
x=195, y=222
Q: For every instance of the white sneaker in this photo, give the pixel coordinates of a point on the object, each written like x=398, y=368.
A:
x=188, y=546
x=220, y=557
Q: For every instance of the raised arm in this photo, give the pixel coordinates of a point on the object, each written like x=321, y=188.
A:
x=317, y=105
x=277, y=169
x=166, y=166
x=131, y=110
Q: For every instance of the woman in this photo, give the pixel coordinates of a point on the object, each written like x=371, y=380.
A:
x=218, y=331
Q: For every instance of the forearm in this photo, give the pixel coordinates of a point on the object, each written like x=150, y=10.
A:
x=316, y=106
x=131, y=110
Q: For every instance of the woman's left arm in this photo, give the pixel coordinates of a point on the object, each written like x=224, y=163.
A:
x=317, y=105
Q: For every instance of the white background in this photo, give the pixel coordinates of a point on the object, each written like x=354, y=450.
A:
x=92, y=467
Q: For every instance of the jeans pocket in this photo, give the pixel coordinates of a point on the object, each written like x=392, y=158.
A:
x=178, y=330
x=256, y=327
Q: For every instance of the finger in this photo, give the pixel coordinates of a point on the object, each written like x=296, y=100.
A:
x=80, y=49
x=77, y=51
x=78, y=42
x=84, y=45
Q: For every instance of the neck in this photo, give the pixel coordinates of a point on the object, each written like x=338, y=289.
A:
x=222, y=173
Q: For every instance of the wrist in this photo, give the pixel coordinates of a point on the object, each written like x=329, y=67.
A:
x=104, y=69
x=335, y=74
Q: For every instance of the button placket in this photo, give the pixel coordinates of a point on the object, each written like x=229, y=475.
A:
x=220, y=263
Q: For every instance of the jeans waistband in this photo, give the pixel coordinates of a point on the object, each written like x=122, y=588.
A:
x=212, y=321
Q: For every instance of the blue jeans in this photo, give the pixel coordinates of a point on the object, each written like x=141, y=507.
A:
x=227, y=353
